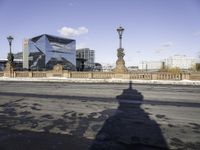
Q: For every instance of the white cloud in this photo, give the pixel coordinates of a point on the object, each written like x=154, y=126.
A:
x=71, y=32
x=167, y=44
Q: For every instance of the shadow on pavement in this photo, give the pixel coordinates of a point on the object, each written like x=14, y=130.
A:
x=27, y=140
x=130, y=127
x=126, y=128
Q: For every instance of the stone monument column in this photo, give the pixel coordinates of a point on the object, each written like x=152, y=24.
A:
x=9, y=70
x=120, y=63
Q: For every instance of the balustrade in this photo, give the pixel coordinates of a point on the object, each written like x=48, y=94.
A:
x=1, y=74
x=107, y=75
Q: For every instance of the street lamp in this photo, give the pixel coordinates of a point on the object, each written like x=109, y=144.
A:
x=10, y=55
x=120, y=63
x=10, y=38
x=120, y=31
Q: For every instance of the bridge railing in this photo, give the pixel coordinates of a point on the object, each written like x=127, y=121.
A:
x=141, y=76
x=1, y=73
x=21, y=74
x=104, y=75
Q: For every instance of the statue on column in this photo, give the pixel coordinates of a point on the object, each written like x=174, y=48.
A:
x=9, y=70
x=120, y=63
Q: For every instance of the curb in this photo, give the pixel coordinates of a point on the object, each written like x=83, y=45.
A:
x=82, y=80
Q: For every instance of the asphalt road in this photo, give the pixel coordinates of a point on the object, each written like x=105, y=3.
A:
x=98, y=116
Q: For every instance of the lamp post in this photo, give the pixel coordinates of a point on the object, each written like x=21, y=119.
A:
x=9, y=65
x=120, y=63
x=120, y=31
x=10, y=55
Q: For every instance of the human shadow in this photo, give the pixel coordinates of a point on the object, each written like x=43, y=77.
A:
x=130, y=127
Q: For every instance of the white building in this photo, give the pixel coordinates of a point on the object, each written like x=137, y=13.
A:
x=132, y=68
x=151, y=65
x=180, y=61
x=198, y=57
x=88, y=55
x=106, y=67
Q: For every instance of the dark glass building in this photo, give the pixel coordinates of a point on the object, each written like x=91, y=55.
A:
x=45, y=51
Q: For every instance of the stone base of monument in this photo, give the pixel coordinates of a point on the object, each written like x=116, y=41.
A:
x=120, y=67
x=9, y=70
x=120, y=63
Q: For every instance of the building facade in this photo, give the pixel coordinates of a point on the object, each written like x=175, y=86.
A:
x=181, y=61
x=177, y=61
x=17, y=64
x=106, y=67
x=151, y=65
x=45, y=51
x=87, y=55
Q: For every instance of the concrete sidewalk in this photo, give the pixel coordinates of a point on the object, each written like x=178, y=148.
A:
x=83, y=80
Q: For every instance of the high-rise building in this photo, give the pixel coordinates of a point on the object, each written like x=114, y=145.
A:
x=89, y=57
x=45, y=51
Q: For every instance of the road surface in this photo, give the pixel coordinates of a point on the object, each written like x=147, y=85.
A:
x=76, y=116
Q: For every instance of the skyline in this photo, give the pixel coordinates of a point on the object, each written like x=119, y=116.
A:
x=154, y=29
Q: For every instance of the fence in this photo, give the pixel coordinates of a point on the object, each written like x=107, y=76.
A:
x=195, y=76
x=1, y=74
x=105, y=75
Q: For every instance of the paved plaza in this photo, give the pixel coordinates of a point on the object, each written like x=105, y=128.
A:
x=81, y=116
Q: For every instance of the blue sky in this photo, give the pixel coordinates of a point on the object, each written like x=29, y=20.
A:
x=154, y=29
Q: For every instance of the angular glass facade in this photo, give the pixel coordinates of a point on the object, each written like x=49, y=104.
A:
x=45, y=51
